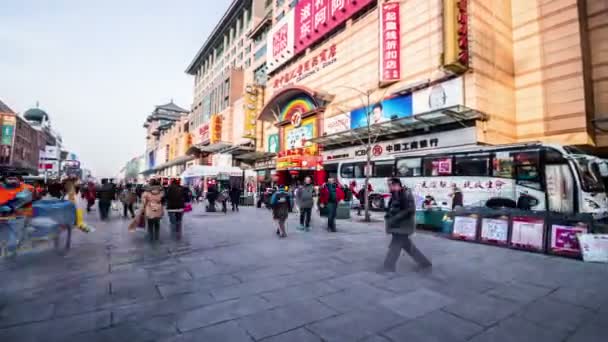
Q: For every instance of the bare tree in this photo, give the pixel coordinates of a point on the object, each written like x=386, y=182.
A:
x=366, y=136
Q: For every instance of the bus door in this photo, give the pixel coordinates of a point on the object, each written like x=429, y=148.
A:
x=560, y=188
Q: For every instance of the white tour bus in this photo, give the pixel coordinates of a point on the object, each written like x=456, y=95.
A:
x=553, y=178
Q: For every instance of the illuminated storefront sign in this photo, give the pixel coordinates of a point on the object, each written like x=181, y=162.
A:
x=299, y=136
x=455, y=35
x=386, y=110
x=215, y=129
x=314, y=19
x=390, y=43
x=306, y=68
x=203, y=134
x=280, y=42
x=336, y=124
x=299, y=162
x=253, y=101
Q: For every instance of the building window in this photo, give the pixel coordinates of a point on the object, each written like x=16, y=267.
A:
x=280, y=16
x=260, y=74
x=260, y=53
x=247, y=62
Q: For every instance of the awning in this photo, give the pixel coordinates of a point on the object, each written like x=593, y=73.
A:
x=255, y=155
x=199, y=171
x=176, y=161
x=283, y=96
x=215, y=147
x=450, y=115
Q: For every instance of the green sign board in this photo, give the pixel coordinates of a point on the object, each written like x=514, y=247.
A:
x=273, y=143
x=7, y=134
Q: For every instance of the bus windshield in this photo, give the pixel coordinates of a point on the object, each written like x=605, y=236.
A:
x=591, y=177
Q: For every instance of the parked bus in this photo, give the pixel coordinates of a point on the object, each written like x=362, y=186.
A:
x=552, y=178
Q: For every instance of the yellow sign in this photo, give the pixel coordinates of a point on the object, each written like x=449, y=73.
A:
x=455, y=35
x=254, y=99
x=299, y=137
x=215, y=128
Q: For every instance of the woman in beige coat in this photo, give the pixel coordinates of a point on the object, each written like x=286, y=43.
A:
x=153, y=208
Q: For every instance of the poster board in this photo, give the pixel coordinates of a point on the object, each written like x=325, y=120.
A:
x=495, y=230
x=564, y=240
x=594, y=247
x=465, y=228
x=528, y=233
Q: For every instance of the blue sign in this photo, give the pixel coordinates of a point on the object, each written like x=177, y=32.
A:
x=390, y=109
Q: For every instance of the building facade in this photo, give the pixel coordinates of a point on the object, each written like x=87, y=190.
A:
x=19, y=142
x=329, y=72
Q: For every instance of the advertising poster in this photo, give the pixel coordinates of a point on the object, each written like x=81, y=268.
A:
x=495, y=230
x=564, y=239
x=390, y=43
x=389, y=109
x=280, y=42
x=594, y=247
x=528, y=233
x=439, y=96
x=465, y=228
x=273, y=143
x=336, y=124
x=298, y=137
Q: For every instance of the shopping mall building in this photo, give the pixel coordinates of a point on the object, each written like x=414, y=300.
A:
x=304, y=81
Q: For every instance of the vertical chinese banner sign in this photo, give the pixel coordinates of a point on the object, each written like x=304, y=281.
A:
x=390, y=43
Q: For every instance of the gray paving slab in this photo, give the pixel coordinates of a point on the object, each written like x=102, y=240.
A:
x=436, y=326
x=417, y=303
x=276, y=321
x=520, y=292
x=556, y=315
x=520, y=330
x=483, y=309
x=357, y=296
x=296, y=335
x=225, y=332
x=356, y=325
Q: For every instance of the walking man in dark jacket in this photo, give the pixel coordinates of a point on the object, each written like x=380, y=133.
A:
x=235, y=197
x=400, y=221
x=176, y=202
x=106, y=196
x=304, y=200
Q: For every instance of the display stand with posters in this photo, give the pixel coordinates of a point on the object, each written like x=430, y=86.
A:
x=494, y=228
x=564, y=231
x=528, y=231
x=466, y=224
x=594, y=247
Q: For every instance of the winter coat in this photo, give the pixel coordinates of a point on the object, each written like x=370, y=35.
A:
x=175, y=197
x=128, y=197
x=325, y=195
x=107, y=193
x=281, y=205
x=304, y=196
x=152, y=198
x=400, y=215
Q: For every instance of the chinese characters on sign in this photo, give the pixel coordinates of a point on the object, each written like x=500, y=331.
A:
x=306, y=68
x=203, y=134
x=280, y=42
x=390, y=43
x=564, y=239
x=456, y=35
x=253, y=101
x=405, y=146
x=215, y=129
x=315, y=18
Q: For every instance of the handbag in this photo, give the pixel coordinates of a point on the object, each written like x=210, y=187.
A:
x=188, y=207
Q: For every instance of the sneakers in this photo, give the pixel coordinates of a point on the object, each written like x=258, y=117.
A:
x=300, y=227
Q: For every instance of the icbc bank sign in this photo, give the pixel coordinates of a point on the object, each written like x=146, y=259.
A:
x=315, y=18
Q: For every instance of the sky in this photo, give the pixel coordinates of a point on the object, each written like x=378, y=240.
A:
x=98, y=68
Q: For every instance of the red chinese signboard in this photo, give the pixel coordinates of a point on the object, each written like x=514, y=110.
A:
x=315, y=18
x=390, y=43
x=306, y=68
x=456, y=35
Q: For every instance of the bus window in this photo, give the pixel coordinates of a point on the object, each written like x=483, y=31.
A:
x=347, y=171
x=409, y=167
x=438, y=166
x=383, y=168
x=590, y=174
x=503, y=165
x=472, y=166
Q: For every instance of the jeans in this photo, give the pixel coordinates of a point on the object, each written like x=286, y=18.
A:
x=235, y=205
x=399, y=242
x=175, y=218
x=332, y=210
x=128, y=207
x=104, y=209
x=154, y=228
x=305, y=214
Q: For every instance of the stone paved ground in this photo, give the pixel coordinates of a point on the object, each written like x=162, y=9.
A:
x=231, y=279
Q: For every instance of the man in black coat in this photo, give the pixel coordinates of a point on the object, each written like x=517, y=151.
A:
x=400, y=222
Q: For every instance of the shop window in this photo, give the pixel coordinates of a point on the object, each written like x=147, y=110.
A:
x=438, y=166
x=383, y=169
x=472, y=166
x=409, y=167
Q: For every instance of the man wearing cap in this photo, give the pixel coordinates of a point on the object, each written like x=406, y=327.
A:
x=400, y=222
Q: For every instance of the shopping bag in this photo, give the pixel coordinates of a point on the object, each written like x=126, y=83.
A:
x=79, y=217
x=115, y=206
